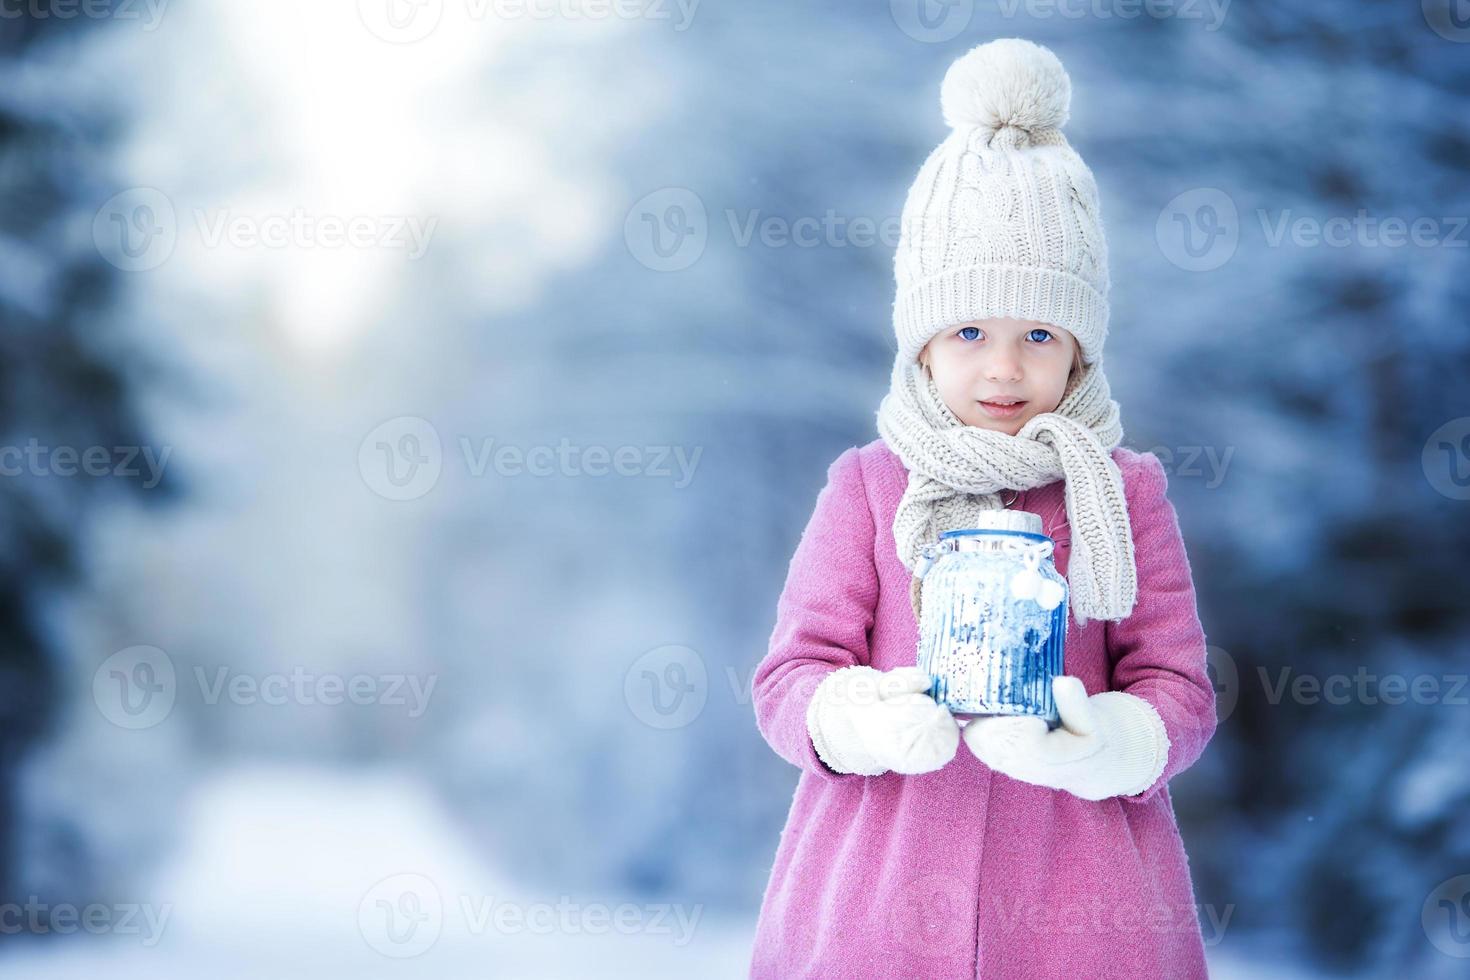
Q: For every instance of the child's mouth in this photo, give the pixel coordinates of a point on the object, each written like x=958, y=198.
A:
x=998, y=411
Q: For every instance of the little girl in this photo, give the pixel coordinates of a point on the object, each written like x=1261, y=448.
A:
x=1033, y=852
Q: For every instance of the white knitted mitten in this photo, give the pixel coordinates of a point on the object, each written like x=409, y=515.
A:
x=1110, y=744
x=868, y=721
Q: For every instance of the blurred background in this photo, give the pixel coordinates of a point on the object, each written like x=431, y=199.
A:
x=410, y=408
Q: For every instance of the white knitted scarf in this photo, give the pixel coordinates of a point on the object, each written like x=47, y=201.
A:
x=957, y=470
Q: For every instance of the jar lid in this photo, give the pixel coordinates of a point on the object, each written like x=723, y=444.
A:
x=1001, y=520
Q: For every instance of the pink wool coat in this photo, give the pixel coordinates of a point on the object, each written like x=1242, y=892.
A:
x=966, y=872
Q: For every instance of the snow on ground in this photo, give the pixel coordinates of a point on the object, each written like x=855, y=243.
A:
x=288, y=873
x=317, y=874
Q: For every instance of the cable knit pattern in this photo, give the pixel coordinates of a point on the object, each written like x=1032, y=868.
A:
x=1003, y=221
x=965, y=872
x=1003, y=218
x=958, y=470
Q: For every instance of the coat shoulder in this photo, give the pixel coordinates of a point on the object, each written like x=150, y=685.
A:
x=877, y=451
x=1144, y=479
x=847, y=479
x=882, y=468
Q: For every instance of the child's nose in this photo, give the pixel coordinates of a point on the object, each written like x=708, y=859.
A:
x=1004, y=368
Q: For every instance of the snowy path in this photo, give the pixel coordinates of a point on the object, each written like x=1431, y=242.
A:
x=313, y=874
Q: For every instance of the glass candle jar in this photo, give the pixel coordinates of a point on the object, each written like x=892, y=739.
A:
x=993, y=618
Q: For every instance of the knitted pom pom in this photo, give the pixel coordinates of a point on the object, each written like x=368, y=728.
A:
x=1007, y=82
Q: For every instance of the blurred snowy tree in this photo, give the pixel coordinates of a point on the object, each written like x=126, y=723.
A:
x=68, y=379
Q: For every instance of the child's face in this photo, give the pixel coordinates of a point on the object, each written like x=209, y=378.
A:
x=1000, y=358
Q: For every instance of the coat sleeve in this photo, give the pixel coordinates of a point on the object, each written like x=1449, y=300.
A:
x=1158, y=652
x=823, y=615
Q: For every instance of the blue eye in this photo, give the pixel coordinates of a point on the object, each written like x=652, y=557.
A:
x=1046, y=335
x=970, y=333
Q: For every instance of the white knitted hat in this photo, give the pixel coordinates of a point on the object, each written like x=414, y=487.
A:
x=1003, y=218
